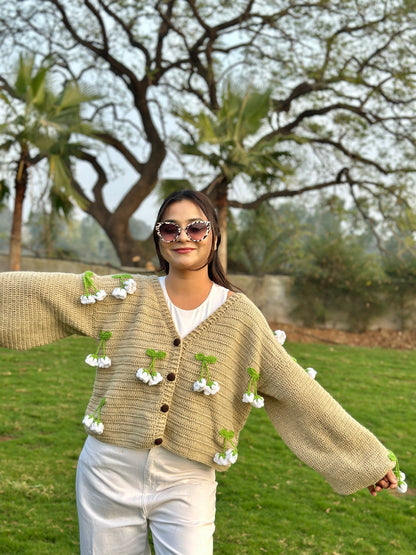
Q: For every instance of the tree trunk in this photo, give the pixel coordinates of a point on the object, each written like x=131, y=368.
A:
x=131, y=252
x=16, y=231
x=221, y=203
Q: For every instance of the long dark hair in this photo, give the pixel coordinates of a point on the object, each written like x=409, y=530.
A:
x=215, y=270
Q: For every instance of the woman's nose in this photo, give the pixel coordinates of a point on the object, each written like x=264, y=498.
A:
x=182, y=236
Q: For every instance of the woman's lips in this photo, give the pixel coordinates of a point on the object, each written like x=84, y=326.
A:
x=183, y=250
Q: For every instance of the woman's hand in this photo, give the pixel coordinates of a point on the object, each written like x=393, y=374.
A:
x=389, y=481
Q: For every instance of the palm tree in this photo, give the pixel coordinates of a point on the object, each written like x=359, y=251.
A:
x=234, y=141
x=39, y=125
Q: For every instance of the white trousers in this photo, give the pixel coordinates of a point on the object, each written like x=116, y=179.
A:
x=121, y=493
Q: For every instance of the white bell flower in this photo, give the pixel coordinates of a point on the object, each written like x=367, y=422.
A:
x=258, y=402
x=100, y=295
x=104, y=362
x=92, y=360
x=119, y=293
x=402, y=487
x=87, y=299
x=88, y=420
x=231, y=456
x=200, y=385
x=311, y=372
x=97, y=427
x=280, y=336
x=154, y=380
x=220, y=459
x=143, y=375
x=130, y=286
x=248, y=397
x=211, y=389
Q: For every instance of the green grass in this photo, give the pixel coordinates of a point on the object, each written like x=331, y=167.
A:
x=268, y=502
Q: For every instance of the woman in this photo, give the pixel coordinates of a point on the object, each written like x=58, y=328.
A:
x=181, y=360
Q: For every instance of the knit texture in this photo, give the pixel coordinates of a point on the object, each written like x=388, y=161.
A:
x=38, y=308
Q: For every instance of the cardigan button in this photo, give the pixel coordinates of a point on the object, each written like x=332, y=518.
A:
x=158, y=441
x=171, y=377
x=164, y=408
x=177, y=342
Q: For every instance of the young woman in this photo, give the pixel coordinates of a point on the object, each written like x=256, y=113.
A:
x=181, y=360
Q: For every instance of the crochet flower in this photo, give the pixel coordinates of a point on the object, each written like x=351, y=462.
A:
x=150, y=375
x=92, y=294
x=92, y=421
x=251, y=397
x=401, y=476
x=104, y=362
x=227, y=456
x=100, y=295
x=87, y=299
x=280, y=336
x=92, y=360
x=127, y=286
x=130, y=286
x=119, y=293
x=402, y=486
x=200, y=385
x=96, y=360
x=206, y=386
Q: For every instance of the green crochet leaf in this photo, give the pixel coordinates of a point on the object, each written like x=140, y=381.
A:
x=253, y=374
x=208, y=359
x=122, y=277
x=226, y=434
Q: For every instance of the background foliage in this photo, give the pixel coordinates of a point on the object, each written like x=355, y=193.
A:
x=272, y=99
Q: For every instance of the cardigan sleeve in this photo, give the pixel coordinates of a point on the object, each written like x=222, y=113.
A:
x=317, y=429
x=37, y=308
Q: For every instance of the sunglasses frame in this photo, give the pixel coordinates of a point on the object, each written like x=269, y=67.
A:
x=185, y=229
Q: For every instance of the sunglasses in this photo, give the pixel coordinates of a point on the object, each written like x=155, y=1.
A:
x=195, y=231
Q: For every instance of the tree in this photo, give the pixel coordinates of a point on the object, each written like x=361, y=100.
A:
x=340, y=75
x=267, y=240
x=231, y=141
x=38, y=126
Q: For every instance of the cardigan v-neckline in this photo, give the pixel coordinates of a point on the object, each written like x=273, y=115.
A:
x=168, y=319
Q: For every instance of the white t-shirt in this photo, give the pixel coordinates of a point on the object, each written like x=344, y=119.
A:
x=187, y=320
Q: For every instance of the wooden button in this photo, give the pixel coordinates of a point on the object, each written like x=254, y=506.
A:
x=177, y=342
x=164, y=408
x=171, y=377
x=158, y=441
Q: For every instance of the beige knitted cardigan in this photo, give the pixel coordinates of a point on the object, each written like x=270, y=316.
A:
x=39, y=308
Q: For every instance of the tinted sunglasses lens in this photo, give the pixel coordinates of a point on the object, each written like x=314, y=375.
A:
x=197, y=231
x=169, y=232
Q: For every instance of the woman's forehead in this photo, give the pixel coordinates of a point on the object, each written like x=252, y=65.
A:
x=183, y=210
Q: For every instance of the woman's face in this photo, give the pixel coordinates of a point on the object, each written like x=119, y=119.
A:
x=185, y=254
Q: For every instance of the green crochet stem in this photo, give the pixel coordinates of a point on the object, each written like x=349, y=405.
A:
x=122, y=277
x=205, y=360
x=104, y=336
x=88, y=283
x=396, y=469
x=97, y=413
x=155, y=355
x=254, y=376
x=228, y=436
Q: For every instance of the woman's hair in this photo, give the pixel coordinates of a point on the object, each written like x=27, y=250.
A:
x=215, y=270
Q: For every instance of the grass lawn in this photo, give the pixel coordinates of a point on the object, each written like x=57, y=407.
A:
x=268, y=502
